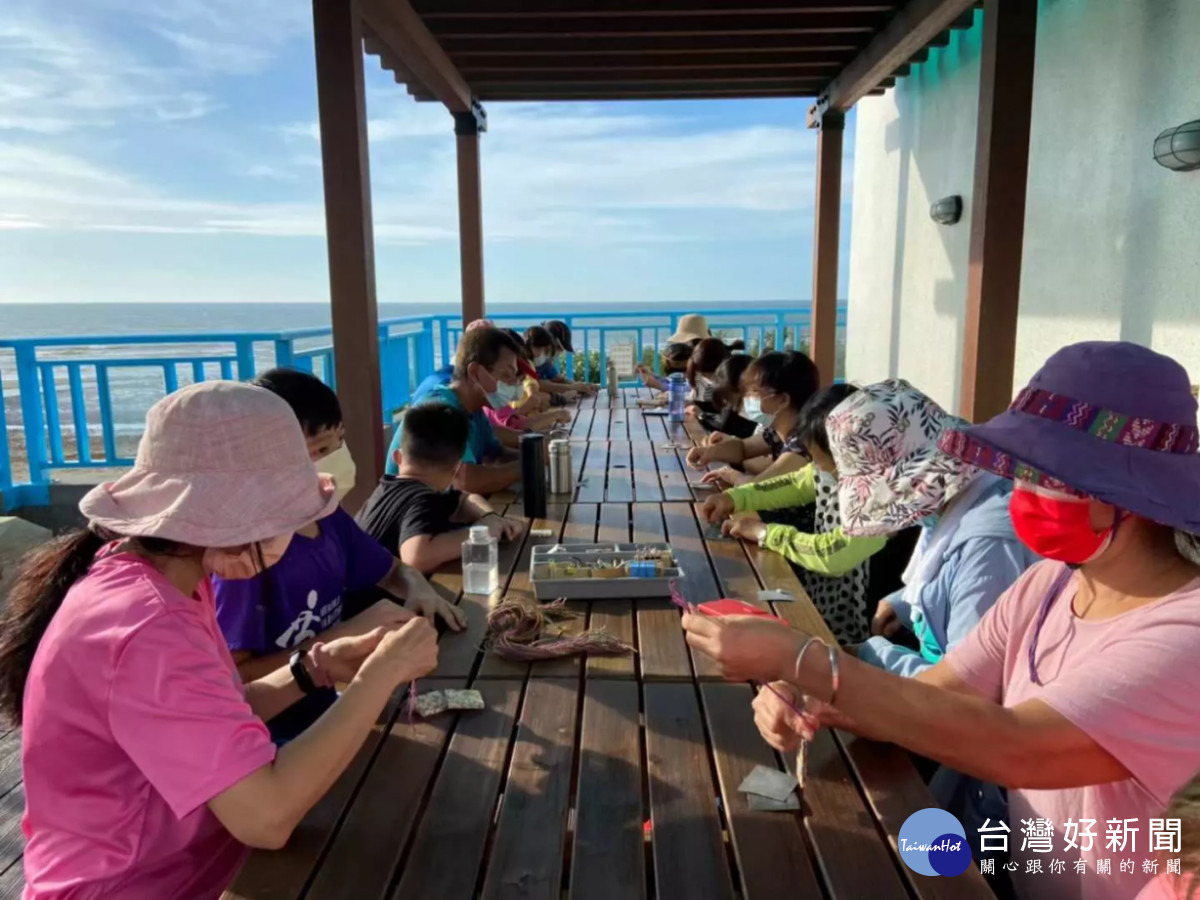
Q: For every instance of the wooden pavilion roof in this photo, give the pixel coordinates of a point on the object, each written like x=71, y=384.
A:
x=651, y=49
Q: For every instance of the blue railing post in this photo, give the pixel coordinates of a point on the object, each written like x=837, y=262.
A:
x=603, y=360
x=6, y=476
x=32, y=422
x=245, y=358
x=444, y=329
x=285, y=353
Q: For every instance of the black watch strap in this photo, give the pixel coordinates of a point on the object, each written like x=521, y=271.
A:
x=300, y=674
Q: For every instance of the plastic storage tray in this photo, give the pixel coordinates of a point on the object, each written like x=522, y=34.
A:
x=547, y=588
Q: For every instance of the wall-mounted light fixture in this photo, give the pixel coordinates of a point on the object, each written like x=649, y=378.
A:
x=947, y=211
x=1178, y=149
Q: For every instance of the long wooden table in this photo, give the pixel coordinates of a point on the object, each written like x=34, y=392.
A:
x=605, y=779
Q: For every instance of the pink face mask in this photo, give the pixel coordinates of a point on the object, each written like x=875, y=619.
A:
x=245, y=562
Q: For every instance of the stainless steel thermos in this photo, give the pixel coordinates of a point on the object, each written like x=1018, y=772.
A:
x=561, y=478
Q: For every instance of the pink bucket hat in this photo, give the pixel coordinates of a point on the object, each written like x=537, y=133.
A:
x=221, y=464
x=891, y=474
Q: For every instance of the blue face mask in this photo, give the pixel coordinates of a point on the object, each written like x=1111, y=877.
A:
x=752, y=410
x=931, y=521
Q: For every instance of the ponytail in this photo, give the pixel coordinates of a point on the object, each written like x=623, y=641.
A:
x=46, y=575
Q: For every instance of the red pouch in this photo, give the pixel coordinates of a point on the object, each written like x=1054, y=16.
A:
x=729, y=607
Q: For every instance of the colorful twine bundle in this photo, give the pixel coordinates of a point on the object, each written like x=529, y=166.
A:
x=524, y=632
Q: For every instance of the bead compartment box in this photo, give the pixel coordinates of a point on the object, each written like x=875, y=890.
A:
x=602, y=571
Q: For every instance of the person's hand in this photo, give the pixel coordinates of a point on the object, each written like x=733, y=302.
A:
x=380, y=614
x=885, y=621
x=502, y=528
x=403, y=655
x=570, y=396
x=745, y=648
x=563, y=416
x=690, y=410
x=698, y=457
x=716, y=507
x=715, y=438
x=426, y=602
x=585, y=387
x=778, y=723
x=722, y=478
x=338, y=661
x=748, y=528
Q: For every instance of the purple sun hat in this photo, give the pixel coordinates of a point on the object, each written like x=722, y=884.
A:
x=1106, y=419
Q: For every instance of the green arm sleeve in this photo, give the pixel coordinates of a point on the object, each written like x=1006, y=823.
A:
x=797, y=488
x=832, y=553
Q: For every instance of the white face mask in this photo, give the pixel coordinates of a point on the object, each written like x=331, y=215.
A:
x=540, y=360
x=752, y=410
x=340, y=465
x=504, y=395
x=704, y=389
x=246, y=562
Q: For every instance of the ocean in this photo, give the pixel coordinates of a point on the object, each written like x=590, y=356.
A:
x=135, y=389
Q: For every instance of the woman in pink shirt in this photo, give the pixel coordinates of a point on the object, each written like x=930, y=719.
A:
x=1079, y=690
x=148, y=769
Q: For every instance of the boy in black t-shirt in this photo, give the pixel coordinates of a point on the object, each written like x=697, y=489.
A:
x=416, y=514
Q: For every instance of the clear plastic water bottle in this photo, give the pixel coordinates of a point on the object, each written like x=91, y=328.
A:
x=480, y=562
x=677, y=388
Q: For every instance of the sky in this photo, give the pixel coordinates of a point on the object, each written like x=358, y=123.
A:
x=168, y=151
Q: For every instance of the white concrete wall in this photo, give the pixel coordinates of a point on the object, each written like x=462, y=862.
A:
x=1110, y=237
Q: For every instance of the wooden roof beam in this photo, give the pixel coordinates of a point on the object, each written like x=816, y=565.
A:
x=495, y=28
x=457, y=9
x=397, y=26
x=913, y=28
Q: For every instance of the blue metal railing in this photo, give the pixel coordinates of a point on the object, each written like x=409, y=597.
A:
x=74, y=394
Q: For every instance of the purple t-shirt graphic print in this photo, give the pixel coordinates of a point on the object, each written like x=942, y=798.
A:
x=302, y=594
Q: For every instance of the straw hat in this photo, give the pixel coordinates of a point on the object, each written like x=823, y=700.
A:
x=221, y=464
x=1106, y=419
x=891, y=473
x=692, y=327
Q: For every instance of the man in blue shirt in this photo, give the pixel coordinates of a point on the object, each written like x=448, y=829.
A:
x=485, y=372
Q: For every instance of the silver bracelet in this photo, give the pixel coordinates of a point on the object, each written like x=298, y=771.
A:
x=833, y=673
x=800, y=657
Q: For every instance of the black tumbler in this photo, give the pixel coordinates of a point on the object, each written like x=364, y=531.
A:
x=533, y=474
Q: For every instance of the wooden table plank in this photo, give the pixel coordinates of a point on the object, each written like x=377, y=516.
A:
x=662, y=652
x=613, y=616
x=618, y=424
x=656, y=427
x=282, y=874
x=895, y=791
x=601, y=422
x=638, y=422
x=855, y=862
x=620, y=473
x=12, y=882
x=689, y=854
x=697, y=584
x=10, y=760
x=772, y=859
x=531, y=835
x=594, y=473
x=581, y=425
x=451, y=837
x=672, y=474
x=358, y=863
x=646, y=486
x=608, y=858
x=12, y=840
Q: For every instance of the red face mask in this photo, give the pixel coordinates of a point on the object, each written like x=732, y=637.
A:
x=1056, y=526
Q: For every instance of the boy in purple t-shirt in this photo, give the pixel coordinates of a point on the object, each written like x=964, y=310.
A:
x=300, y=599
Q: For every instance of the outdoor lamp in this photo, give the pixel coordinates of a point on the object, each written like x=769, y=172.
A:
x=1178, y=148
x=947, y=211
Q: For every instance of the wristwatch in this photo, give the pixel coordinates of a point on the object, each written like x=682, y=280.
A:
x=300, y=673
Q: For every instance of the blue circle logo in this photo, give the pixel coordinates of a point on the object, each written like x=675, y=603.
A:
x=933, y=842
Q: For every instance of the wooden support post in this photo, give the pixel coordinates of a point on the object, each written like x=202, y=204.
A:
x=341, y=101
x=998, y=206
x=470, y=215
x=825, y=246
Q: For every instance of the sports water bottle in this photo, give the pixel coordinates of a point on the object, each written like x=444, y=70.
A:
x=480, y=562
x=677, y=395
